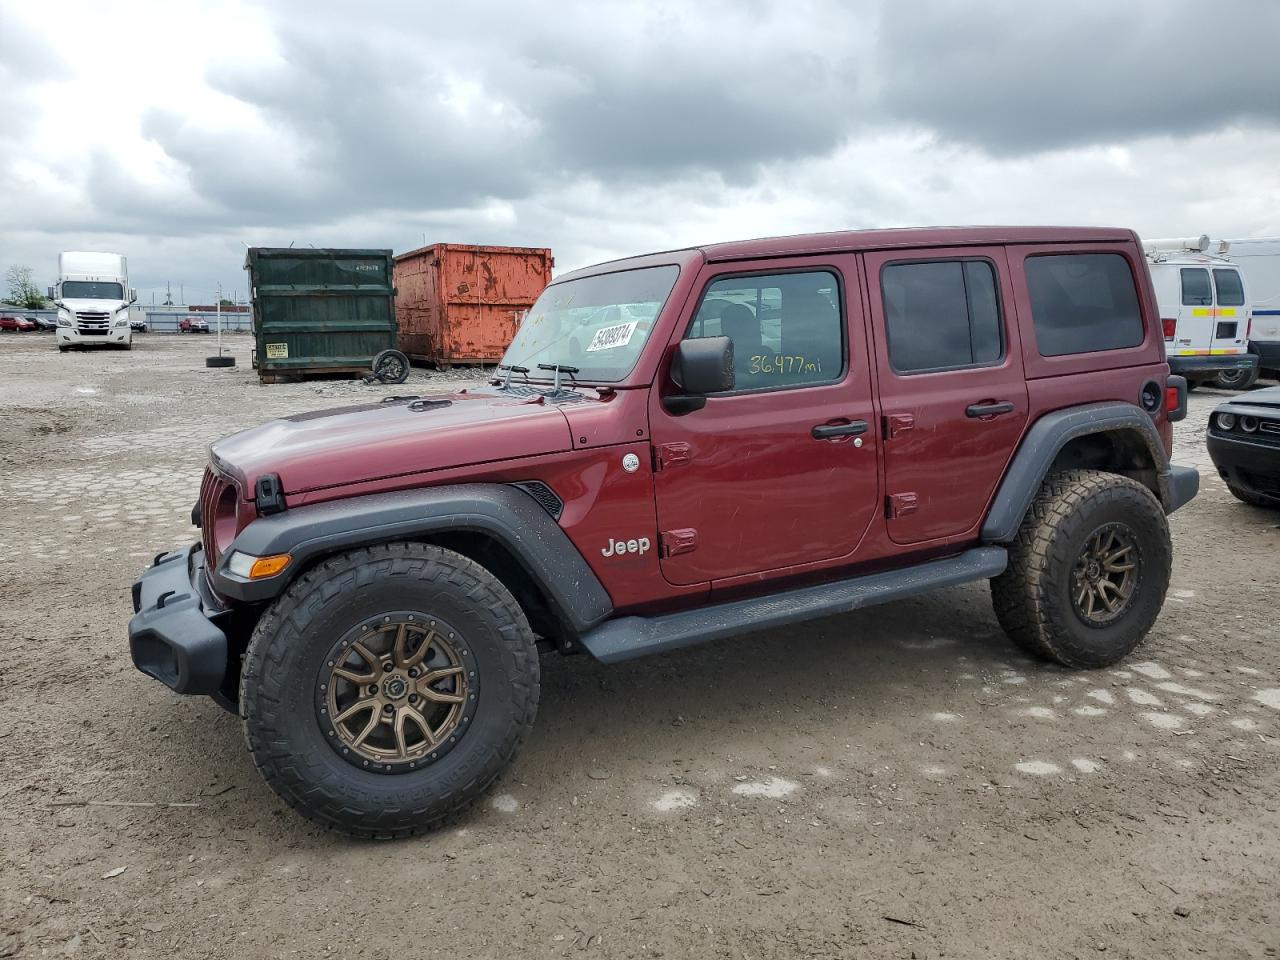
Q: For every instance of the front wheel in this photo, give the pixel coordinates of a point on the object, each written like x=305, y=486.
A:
x=388, y=687
x=1088, y=571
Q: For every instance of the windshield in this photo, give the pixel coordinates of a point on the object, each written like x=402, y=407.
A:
x=91, y=290
x=597, y=324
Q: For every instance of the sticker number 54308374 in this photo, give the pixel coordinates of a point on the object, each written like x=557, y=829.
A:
x=607, y=338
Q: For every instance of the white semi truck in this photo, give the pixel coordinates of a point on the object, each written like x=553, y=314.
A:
x=93, y=298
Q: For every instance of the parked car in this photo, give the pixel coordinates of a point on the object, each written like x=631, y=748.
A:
x=44, y=324
x=16, y=324
x=193, y=325
x=1244, y=443
x=1204, y=310
x=138, y=326
x=923, y=408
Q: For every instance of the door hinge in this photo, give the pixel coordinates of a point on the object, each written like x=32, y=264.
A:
x=901, y=505
x=676, y=542
x=671, y=455
x=896, y=424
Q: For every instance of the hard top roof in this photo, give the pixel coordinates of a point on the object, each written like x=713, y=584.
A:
x=857, y=240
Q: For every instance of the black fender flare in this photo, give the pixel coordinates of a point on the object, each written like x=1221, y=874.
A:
x=507, y=514
x=1048, y=435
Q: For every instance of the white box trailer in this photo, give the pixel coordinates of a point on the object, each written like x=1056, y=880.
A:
x=1259, y=260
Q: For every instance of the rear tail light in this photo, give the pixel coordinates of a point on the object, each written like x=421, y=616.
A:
x=1175, y=397
x=1170, y=327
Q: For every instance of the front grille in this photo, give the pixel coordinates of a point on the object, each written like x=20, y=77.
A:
x=545, y=496
x=93, y=322
x=212, y=489
x=1269, y=426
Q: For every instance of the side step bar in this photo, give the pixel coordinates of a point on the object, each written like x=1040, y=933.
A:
x=629, y=637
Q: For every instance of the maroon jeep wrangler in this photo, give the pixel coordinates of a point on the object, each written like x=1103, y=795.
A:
x=679, y=447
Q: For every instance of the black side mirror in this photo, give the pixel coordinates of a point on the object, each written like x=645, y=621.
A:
x=699, y=367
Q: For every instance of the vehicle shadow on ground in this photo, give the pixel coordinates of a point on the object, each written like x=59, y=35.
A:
x=882, y=664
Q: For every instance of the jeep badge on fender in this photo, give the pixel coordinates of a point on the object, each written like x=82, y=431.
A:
x=618, y=547
x=379, y=628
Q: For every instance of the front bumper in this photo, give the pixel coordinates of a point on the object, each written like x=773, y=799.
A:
x=1206, y=368
x=70, y=336
x=172, y=636
x=1184, y=484
x=1247, y=464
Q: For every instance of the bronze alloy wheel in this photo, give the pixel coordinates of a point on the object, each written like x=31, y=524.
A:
x=397, y=692
x=1106, y=574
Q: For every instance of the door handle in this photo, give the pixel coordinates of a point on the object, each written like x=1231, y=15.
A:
x=831, y=431
x=988, y=408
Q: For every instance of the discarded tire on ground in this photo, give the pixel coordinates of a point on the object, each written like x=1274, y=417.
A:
x=219, y=361
x=391, y=366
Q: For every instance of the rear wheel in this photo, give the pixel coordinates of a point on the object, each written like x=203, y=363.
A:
x=388, y=687
x=1236, y=379
x=1088, y=571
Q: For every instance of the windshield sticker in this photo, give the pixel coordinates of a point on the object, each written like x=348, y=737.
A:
x=608, y=338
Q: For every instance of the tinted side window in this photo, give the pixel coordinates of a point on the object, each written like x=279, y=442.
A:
x=786, y=327
x=941, y=315
x=1082, y=302
x=1230, y=289
x=1195, y=287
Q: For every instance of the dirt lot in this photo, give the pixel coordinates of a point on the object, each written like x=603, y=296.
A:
x=895, y=783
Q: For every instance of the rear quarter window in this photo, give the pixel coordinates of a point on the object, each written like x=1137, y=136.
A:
x=1083, y=302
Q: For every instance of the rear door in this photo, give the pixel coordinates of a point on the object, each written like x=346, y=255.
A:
x=1231, y=313
x=951, y=384
x=1194, y=334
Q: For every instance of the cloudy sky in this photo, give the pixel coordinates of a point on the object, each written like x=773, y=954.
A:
x=178, y=133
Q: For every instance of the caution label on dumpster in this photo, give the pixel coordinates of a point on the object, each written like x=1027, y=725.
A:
x=277, y=351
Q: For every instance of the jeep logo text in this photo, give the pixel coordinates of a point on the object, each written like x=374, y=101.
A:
x=617, y=547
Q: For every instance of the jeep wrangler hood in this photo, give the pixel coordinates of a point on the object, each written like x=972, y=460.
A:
x=373, y=441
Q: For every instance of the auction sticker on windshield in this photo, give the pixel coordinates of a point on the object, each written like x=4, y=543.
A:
x=607, y=338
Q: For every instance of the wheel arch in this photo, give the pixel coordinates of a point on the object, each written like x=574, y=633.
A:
x=499, y=526
x=1115, y=437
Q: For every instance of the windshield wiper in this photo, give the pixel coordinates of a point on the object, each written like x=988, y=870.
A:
x=559, y=368
x=512, y=368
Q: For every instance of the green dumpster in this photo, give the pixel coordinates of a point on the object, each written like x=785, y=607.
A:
x=319, y=311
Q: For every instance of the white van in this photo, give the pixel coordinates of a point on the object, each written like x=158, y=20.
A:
x=1259, y=260
x=1204, y=309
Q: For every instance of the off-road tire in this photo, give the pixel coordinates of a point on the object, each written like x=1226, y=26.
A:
x=1253, y=499
x=287, y=652
x=1034, y=599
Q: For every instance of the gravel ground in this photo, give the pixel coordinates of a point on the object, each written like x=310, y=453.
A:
x=898, y=782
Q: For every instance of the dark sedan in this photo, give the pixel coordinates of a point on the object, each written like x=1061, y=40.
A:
x=1244, y=442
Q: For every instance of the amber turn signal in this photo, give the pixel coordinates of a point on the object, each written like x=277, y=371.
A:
x=268, y=566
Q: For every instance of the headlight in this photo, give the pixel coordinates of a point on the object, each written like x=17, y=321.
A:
x=1226, y=421
x=64, y=321
x=122, y=322
x=1249, y=424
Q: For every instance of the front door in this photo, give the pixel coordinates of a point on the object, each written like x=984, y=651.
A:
x=782, y=470
x=950, y=378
